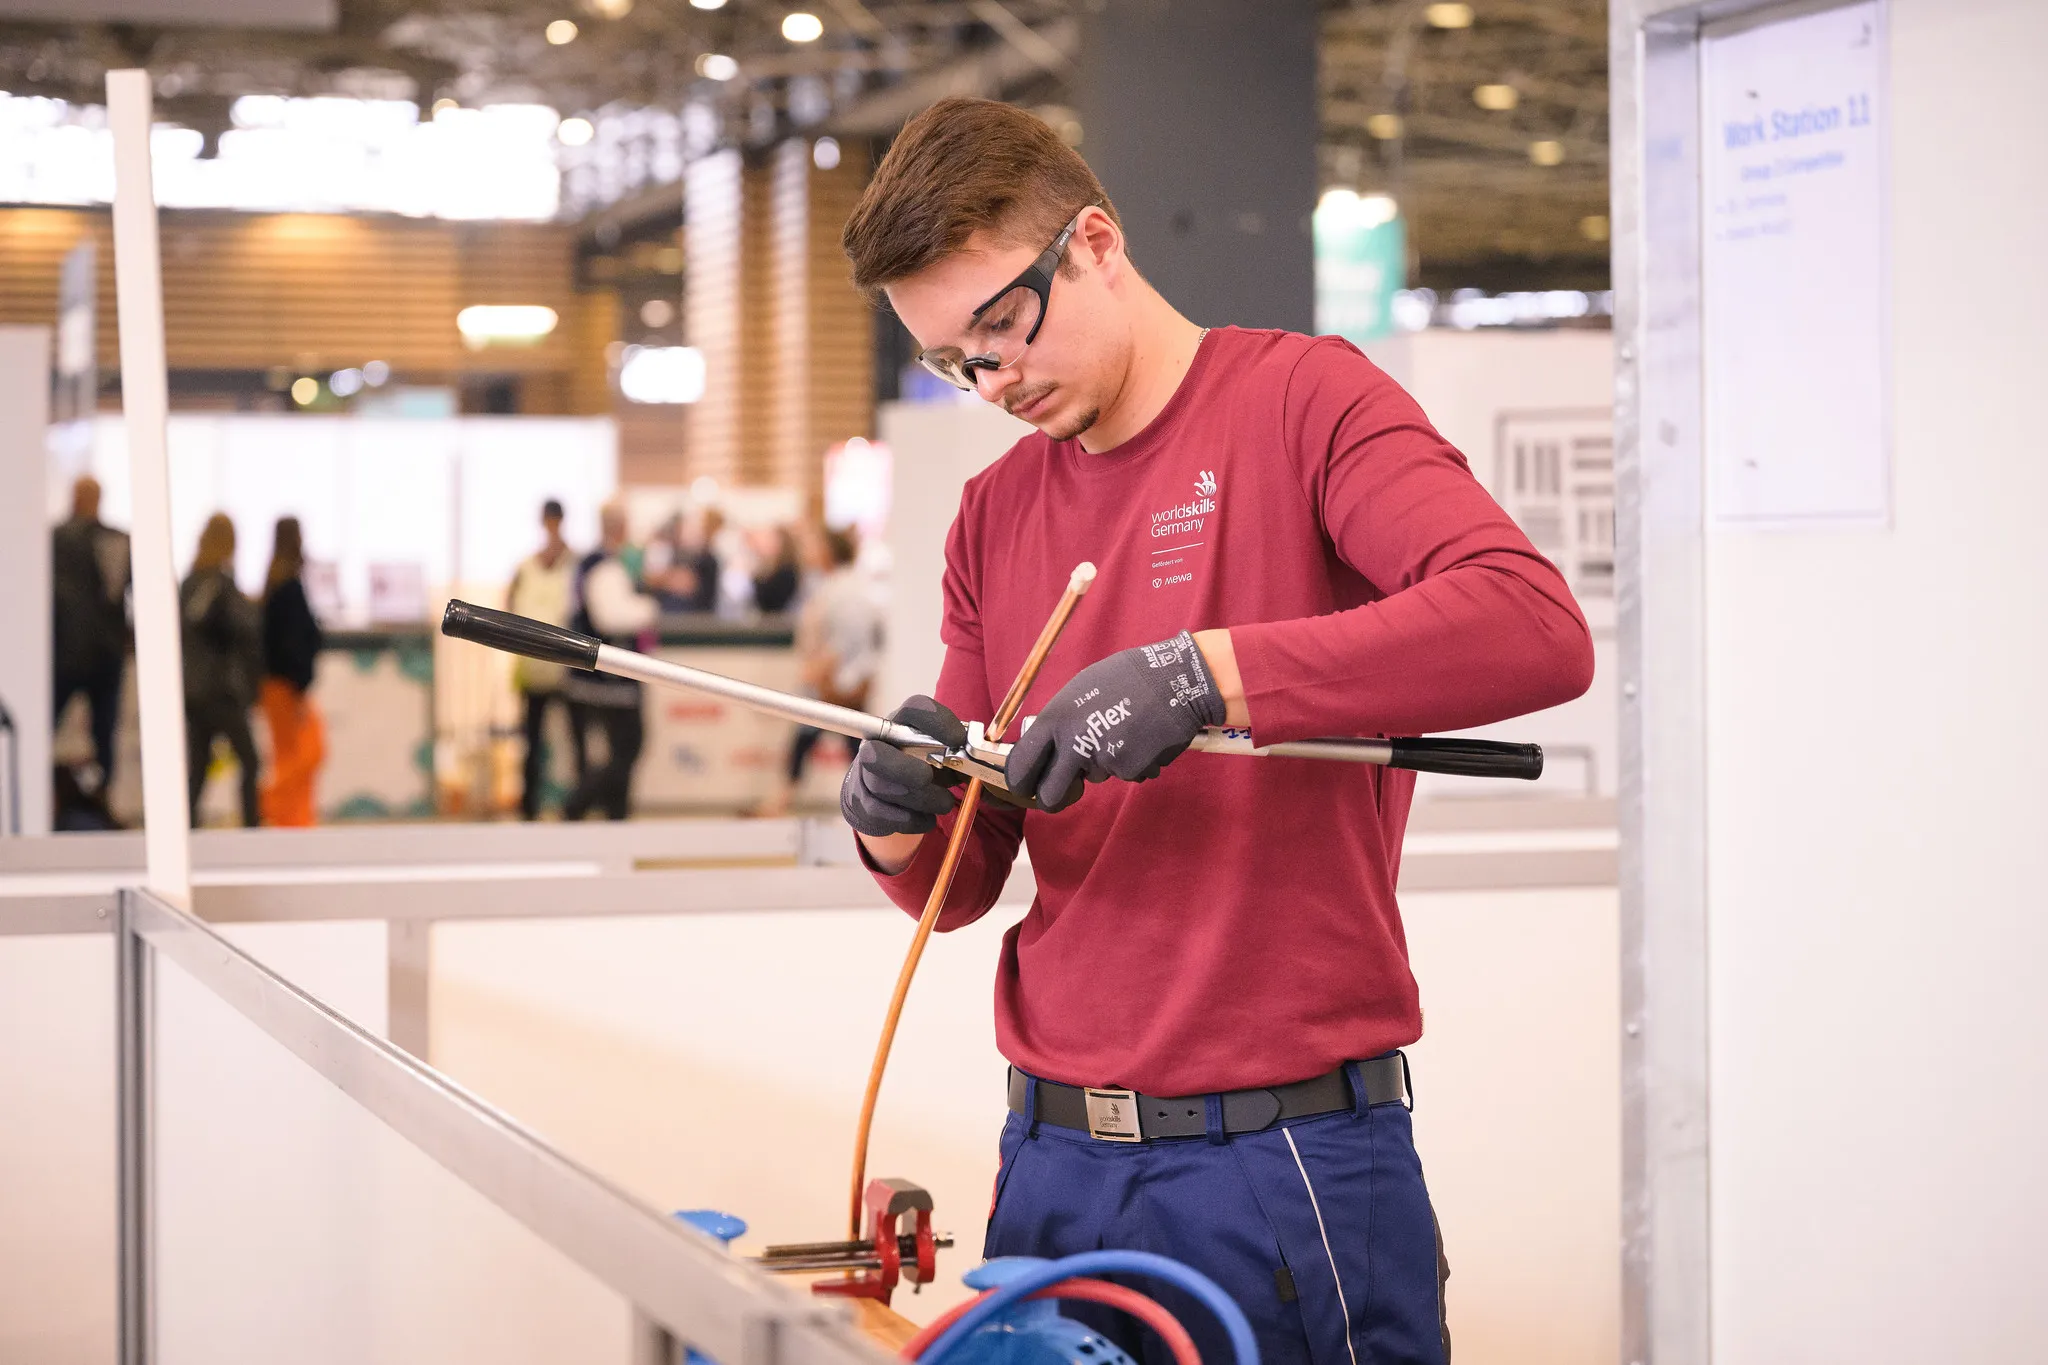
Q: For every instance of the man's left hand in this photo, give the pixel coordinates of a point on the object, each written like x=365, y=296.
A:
x=1126, y=716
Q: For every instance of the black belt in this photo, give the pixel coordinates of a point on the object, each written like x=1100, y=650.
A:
x=1126, y=1116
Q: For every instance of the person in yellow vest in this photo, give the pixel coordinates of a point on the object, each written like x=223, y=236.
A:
x=541, y=588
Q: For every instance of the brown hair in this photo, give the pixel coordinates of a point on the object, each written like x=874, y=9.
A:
x=216, y=544
x=965, y=166
x=287, y=555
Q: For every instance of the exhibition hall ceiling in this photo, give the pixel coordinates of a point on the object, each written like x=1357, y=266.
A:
x=1485, y=122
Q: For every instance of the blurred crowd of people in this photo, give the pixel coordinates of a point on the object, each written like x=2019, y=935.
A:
x=239, y=654
x=242, y=654
x=619, y=591
x=246, y=655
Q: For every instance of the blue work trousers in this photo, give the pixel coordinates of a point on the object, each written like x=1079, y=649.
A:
x=1320, y=1228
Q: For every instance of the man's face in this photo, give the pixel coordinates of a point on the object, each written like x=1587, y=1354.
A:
x=1076, y=365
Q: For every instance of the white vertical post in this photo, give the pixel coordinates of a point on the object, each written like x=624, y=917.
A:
x=145, y=404
x=25, y=673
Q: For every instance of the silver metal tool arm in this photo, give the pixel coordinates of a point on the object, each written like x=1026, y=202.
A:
x=517, y=634
x=977, y=758
x=840, y=720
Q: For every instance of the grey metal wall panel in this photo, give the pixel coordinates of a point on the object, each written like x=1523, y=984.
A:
x=1200, y=118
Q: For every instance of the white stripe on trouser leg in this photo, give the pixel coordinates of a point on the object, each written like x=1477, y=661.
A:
x=1342, y=1307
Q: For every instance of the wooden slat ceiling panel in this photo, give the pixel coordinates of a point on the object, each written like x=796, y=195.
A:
x=249, y=292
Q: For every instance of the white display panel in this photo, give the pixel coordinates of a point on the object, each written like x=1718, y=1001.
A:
x=25, y=664
x=457, y=499
x=1795, y=315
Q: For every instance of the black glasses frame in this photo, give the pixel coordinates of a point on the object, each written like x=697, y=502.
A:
x=1037, y=277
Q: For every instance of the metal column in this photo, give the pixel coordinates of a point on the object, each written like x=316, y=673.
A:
x=135, y=1062
x=1200, y=118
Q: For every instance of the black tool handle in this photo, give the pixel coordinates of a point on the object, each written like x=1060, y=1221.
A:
x=1468, y=757
x=518, y=634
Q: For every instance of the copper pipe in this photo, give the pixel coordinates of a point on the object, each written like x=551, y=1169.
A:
x=963, y=824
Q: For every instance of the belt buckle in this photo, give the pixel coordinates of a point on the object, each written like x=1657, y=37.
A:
x=1112, y=1115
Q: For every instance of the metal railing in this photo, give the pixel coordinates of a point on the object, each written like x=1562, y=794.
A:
x=674, y=1278
x=682, y=1289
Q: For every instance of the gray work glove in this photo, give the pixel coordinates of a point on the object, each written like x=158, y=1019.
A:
x=1125, y=716
x=887, y=791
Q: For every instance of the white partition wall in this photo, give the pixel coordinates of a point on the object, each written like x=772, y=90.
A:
x=1833, y=653
x=458, y=499
x=937, y=447
x=24, y=581
x=1533, y=414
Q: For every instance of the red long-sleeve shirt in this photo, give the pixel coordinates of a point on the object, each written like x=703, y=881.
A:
x=1232, y=923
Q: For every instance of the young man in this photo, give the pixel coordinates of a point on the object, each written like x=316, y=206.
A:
x=606, y=602
x=1282, y=542
x=89, y=628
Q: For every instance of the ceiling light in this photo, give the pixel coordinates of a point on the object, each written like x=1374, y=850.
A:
x=657, y=313
x=802, y=26
x=575, y=132
x=305, y=389
x=445, y=106
x=707, y=4
x=716, y=66
x=562, y=31
x=662, y=374
x=1546, y=152
x=1448, y=16
x=610, y=9
x=343, y=383
x=1594, y=227
x=1385, y=127
x=375, y=373
x=1345, y=208
x=1498, y=98
x=484, y=323
x=825, y=153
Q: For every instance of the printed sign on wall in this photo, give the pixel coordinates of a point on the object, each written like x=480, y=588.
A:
x=1794, y=264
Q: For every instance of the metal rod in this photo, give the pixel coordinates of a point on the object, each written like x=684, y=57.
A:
x=840, y=720
x=1217, y=740
x=784, y=1249
x=963, y=823
x=134, y=1086
x=794, y=1265
x=724, y=1307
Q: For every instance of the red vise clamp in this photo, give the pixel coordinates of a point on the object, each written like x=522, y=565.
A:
x=904, y=1253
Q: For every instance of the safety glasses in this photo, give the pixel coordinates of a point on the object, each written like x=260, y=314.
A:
x=1003, y=327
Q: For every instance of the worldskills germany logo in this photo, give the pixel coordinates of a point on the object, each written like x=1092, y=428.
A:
x=1186, y=518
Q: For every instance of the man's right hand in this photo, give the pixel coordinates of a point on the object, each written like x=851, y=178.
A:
x=887, y=791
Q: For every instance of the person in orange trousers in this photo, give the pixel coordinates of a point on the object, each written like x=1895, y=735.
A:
x=291, y=643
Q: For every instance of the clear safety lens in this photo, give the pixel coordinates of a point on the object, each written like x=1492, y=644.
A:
x=1004, y=324
x=995, y=342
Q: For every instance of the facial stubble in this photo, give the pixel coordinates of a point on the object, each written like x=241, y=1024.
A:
x=1086, y=419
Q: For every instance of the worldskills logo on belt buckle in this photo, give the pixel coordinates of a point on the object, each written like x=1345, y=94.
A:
x=1113, y=1115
